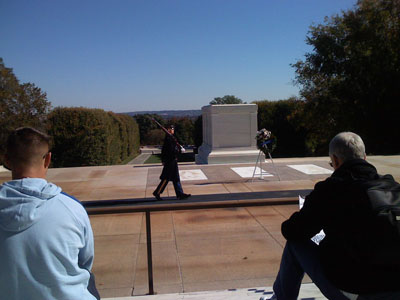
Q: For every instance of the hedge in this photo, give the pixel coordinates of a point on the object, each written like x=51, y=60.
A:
x=280, y=118
x=91, y=137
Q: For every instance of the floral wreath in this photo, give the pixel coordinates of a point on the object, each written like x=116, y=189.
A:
x=266, y=141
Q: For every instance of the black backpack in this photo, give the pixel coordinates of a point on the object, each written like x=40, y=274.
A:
x=383, y=194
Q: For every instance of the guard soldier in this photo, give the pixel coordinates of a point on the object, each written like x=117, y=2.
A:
x=170, y=172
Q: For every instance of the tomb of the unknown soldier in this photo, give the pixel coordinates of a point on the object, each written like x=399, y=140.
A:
x=229, y=132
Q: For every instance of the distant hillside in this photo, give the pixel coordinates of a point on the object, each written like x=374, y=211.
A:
x=168, y=114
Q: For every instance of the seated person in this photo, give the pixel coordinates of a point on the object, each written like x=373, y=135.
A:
x=357, y=259
x=46, y=240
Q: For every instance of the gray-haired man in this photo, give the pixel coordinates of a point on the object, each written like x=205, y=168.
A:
x=356, y=259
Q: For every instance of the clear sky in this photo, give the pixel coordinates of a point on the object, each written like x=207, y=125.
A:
x=135, y=55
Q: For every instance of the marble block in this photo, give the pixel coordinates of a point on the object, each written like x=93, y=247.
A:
x=229, y=132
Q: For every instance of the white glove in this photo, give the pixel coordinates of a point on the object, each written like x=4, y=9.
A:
x=183, y=150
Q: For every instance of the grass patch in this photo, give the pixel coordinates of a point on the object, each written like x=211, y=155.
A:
x=153, y=159
x=183, y=157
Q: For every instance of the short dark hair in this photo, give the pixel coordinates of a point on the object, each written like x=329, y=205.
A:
x=25, y=145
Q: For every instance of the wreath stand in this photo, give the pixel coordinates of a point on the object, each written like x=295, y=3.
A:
x=259, y=163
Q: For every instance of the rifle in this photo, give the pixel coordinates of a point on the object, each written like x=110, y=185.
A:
x=171, y=135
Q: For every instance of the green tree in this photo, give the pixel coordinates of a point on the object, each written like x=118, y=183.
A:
x=351, y=79
x=227, y=99
x=283, y=119
x=20, y=104
x=146, y=124
x=131, y=131
x=155, y=137
x=82, y=137
x=184, y=128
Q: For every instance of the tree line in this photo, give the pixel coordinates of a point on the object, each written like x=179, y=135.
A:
x=91, y=137
x=348, y=82
x=81, y=136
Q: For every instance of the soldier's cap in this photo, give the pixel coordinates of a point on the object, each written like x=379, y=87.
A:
x=171, y=126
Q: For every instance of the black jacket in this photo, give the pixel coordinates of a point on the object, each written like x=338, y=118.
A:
x=355, y=254
x=169, y=155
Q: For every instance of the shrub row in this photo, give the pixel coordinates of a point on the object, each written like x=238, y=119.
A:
x=91, y=137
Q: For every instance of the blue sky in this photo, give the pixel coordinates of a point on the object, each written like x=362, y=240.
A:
x=134, y=55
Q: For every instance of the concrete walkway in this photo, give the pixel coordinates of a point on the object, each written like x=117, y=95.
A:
x=307, y=292
x=140, y=159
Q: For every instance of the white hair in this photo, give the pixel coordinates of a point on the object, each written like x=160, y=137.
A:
x=347, y=145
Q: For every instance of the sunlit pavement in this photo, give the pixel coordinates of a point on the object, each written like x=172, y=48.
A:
x=308, y=291
x=207, y=254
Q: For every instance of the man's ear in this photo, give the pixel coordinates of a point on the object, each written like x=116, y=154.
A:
x=336, y=161
x=7, y=163
x=47, y=160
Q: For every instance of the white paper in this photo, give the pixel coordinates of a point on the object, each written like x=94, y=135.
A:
x=319, y=236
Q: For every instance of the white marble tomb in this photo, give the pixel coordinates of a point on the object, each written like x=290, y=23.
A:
x=229, y=132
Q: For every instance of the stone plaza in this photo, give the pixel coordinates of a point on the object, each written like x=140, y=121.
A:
x=230, y=253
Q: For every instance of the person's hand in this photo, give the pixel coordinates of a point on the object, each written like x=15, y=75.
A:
x=183, y=150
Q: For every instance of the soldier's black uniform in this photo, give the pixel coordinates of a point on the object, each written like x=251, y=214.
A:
x=170, y=172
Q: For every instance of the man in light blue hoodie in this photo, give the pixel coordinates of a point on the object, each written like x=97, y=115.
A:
x=46, y=241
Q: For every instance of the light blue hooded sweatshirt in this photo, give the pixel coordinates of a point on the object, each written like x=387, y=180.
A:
x=46, y=243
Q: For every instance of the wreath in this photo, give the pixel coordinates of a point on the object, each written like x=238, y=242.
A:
x=266, y=141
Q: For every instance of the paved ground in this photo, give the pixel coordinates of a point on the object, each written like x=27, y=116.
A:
x=194, y=251
x=308, y=291
x=140, y=159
